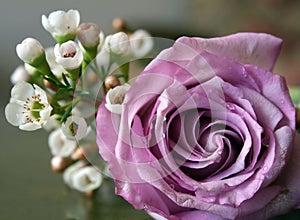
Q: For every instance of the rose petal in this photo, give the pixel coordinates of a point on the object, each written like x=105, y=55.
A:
x=258, y=49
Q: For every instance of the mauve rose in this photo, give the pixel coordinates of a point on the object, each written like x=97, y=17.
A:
x=206, y=131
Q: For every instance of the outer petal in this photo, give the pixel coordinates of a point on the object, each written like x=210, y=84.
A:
x=13, y=114
x=258, y=49
x=21, y=91
x=46, y=24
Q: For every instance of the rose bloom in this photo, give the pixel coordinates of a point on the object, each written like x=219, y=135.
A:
x=206, y=132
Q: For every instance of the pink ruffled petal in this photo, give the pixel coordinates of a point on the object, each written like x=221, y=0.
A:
x=252, y=48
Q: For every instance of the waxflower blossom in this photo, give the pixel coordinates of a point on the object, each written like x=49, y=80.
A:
x=81, y=177
x=115, y=97
x=88, y=35
x=29, y=50
x=141, y=43
x=75, y=127
x=28, y=107
x=86, y=179
x=68, y=55
x=60, y=145
x=62, y=25
x=118, y=43
x=20, y=74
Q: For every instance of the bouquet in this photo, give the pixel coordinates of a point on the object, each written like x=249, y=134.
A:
x=203, y=131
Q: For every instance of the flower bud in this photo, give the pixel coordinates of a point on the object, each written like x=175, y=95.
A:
x=119, y=24
x=88, y=35
x=60, y=145
x=75, y=128
x=59, y=164
x=115, y=98
x=141, y=43
x=68, y=55
x=117, y=43
x=78, y=154
x=111, y=82
x=20, y=74
x=29, y=50
x=62, y=25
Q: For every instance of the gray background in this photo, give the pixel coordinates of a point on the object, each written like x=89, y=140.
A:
x=28, y=187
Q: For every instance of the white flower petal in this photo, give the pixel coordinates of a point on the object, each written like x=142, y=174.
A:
x=45, y=113
x=46, y=24
x=30, y=126
x=13, y=114
x=22, y=90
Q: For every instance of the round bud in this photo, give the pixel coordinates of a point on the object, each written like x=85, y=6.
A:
x=111, y=82
x=59, y=164
x=119, y=24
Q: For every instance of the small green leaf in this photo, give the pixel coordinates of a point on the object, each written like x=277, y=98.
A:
x=295, y=94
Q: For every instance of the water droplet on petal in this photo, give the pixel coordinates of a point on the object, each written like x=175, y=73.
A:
x=219, y=152
x=245, y=75
x=230, y=106
x=281, y=101
x=265, y=168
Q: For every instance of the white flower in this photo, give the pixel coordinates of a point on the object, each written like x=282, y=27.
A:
x=115, y=98
x=28, y=107
x=75, y=128
x=118, y=43
x=88, y=34
x=68, y=55
x=60, y=23
x=69, y=172
x=82, y=178
x=86, y=179
x=20, y=74
x=29, y=50
x=60, y=145
x=56, y=68
x=141, y=43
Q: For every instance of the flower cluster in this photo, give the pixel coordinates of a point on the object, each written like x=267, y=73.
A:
x=56, y=85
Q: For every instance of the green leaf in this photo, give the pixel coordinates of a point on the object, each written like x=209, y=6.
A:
x=62, y=94
x=295, y=94
x=65, y=80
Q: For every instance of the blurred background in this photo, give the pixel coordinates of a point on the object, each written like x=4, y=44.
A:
x=28, y=187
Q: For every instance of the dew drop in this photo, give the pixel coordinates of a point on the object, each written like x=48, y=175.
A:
x=265, y=168
x=281, y=101
x=219, y=152
x=230, y=106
